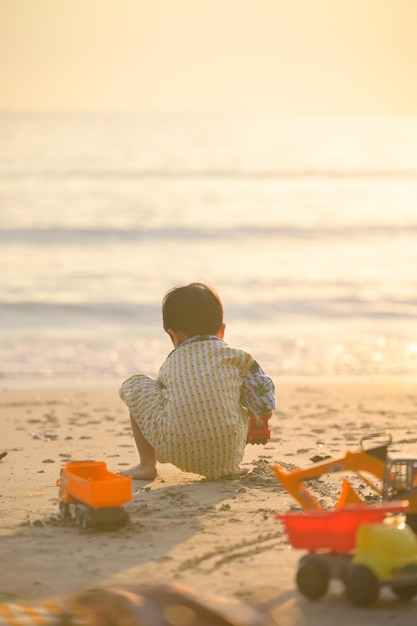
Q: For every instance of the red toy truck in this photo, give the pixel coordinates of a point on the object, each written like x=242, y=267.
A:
x=93, y=495
x=258, y=431
x=362, y=546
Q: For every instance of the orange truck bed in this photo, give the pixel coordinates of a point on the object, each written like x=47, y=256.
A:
x=91, y=483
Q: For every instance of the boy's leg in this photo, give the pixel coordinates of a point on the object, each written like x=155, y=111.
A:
x=146, y=470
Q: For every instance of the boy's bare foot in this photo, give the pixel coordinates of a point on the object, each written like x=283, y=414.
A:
x=137, y=472
x=238, y=471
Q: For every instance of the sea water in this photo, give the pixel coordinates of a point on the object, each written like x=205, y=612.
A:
x=306, y=227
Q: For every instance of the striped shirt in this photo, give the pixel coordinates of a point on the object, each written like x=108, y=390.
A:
x=195, y=413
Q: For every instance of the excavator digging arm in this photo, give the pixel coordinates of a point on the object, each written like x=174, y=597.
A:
x=370, y=460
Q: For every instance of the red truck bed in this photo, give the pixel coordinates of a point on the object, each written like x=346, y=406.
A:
x=333, y=530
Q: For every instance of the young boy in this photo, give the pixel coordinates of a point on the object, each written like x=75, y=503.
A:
x=195, y=414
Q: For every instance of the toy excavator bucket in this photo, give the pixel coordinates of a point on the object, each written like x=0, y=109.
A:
x=296, y=488
x=348, y=496
x=300, y=492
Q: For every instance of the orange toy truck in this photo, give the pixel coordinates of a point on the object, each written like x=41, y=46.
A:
x=93, y=495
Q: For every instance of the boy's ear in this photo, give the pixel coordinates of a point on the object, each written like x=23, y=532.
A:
x=177, y=336
x=172, y=334
x=220, y=334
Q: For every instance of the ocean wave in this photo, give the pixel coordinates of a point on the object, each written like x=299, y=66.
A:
x=53, y=314
x=57, y=235
x=212, y=173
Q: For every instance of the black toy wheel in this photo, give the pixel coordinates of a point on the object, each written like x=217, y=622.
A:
x=312, y=578
x=85, y=517
x=81, y=518
x=85, y=521
x=64, y=510
x=405, y=592
x=362, y=587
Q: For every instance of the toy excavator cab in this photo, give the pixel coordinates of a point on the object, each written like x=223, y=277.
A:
x=400, y=478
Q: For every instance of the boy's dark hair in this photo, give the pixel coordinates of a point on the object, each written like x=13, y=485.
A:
x=193, y=309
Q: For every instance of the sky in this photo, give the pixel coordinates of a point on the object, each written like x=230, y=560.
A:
x=290, y=57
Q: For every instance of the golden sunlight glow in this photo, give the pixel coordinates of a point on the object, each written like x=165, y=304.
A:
x=274, y=56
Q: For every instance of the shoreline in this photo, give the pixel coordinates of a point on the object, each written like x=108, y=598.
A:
x=221, y=537
x=15, y=384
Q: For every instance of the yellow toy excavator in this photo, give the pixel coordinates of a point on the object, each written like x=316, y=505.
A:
x=397, y=477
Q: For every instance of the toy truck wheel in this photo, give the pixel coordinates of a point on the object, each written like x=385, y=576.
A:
x=85, y=521
x=312, y=578
x=81, y=518
x=64, y=510
x=78, y=516
x=362, y=587
x=405, y=592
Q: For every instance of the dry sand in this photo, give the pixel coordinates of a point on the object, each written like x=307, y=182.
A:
x=220, y=537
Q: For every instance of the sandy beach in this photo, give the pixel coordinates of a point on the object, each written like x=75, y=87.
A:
x=220, y=537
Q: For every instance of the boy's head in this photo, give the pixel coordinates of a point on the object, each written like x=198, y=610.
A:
x=193, y=309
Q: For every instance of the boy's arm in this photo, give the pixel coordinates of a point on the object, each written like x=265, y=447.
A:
x=258, y=392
